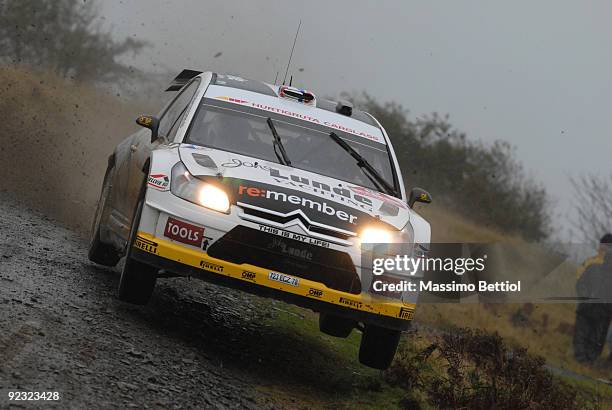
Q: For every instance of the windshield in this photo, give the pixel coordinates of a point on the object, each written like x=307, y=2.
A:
x=308, y=147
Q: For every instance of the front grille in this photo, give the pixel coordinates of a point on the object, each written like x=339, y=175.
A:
x=285, y=219
x=333, y=268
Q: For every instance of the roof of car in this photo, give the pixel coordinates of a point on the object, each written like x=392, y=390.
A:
x=260, y=87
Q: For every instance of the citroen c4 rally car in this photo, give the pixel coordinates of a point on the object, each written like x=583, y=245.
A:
x=267, y=189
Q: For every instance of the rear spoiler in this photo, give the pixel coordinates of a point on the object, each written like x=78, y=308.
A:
x=182, y=79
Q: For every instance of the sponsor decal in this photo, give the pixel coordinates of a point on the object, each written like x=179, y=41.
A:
x=305, y=117
x=294, y=236
x=145, y=120
x=184, y=232
x=284, y=248
x=231, y=78
x=321, y=207
x=238, y=163
x=206, y=243
x=315, y=293
x=231, y=99
x=248, y=275
x=338, y=193
x=368, y=193
x=405, y=314
x=211, y=266
x=145, y=245
x=350, y=302
x=193, y=146
x=279, y=277
x=348, y=195
x=159, y=181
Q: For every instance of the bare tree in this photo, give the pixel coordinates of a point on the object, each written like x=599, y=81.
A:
x=63, y=36
x=593, y=215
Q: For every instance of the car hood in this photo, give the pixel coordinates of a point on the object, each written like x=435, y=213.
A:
x=286, y=192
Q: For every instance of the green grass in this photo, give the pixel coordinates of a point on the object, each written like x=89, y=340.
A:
x=324, y=372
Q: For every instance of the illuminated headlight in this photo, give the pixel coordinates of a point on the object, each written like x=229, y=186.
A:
x=186, y=186
x=214, y=198
x=376, y=235
x=381, y=235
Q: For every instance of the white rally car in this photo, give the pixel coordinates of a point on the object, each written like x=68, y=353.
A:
x=267, y=189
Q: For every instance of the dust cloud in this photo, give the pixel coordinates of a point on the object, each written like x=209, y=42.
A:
x=55, y=140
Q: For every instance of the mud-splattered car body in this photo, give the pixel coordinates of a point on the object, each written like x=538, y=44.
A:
x=251, y=185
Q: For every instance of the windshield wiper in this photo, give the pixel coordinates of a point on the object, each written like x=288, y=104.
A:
x=278, y=145
x=362, y=163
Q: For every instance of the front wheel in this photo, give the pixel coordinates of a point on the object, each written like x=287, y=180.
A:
x=137, y=279
x=378, y=346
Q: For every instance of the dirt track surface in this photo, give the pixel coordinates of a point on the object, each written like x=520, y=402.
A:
x=64, y=330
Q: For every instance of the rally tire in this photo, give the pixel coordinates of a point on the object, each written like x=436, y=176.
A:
x=378, y=346
x=335, y=326
x=137, y=279
x=99, y=252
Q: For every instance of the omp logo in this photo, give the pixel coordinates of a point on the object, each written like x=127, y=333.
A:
x=249, y=275
x=405, y=314
x=321, y=207
x=145, y=245
x=211, y=266
x=350, y=302
x=315, y=292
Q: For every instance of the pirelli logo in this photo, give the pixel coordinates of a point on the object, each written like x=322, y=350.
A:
x=405, y=314
x=213, y=267
x=145, y=245
x=350, y=302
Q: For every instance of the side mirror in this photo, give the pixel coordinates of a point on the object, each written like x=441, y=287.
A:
x=150, y=122
x=419, y=195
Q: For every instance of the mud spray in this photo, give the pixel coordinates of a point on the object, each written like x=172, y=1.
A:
x=55, y=139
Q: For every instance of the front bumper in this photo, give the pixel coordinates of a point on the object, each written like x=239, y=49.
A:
x=188, y=261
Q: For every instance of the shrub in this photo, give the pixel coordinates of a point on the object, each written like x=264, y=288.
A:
x=476, y=370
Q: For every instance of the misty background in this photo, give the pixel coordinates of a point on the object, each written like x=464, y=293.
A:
x=74, y=74
x=499, y=110
x=536, y=74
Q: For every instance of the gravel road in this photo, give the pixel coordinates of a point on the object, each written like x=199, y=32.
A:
x=62, y=329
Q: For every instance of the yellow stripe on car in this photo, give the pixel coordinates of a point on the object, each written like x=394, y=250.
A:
x=262, y=277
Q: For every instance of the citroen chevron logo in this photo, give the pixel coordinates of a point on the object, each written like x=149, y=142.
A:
x=295, y=217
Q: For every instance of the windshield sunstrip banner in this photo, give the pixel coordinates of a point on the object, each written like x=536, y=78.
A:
x=304, y=113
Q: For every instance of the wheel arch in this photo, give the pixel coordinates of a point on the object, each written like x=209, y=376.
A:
x=146, y=166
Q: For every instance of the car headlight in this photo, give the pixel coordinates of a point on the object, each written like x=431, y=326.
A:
x=376, y=235
x=186, y=186
x=381, y=235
